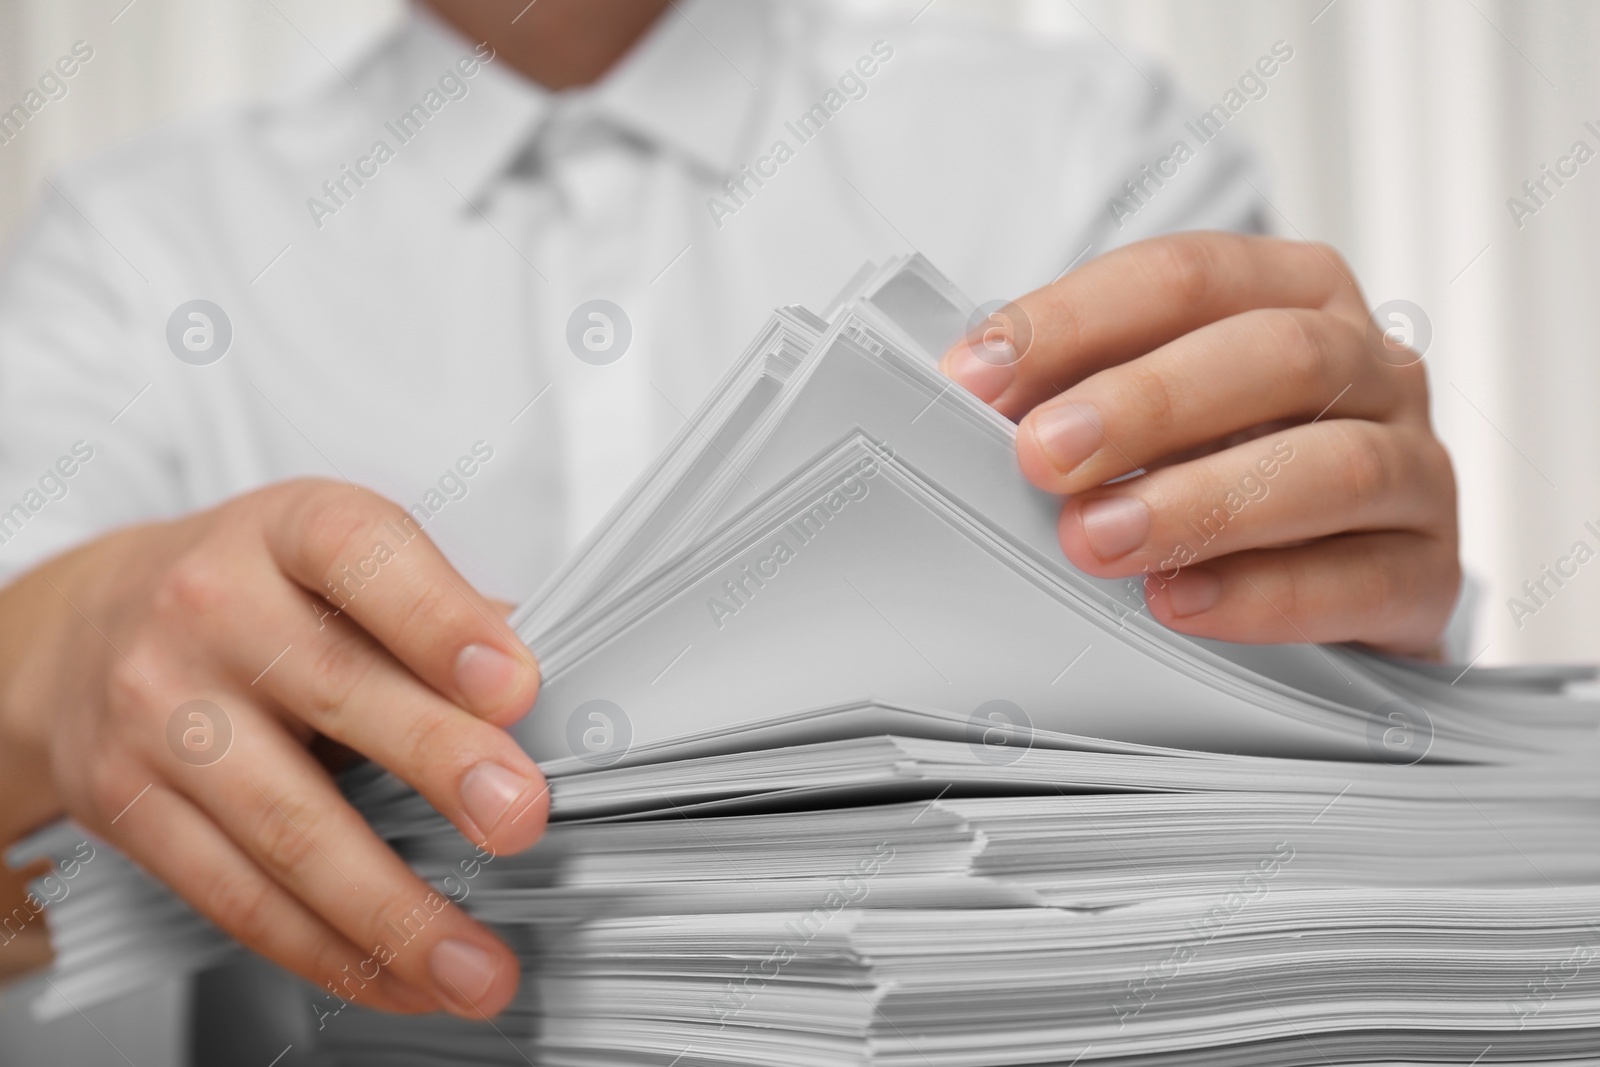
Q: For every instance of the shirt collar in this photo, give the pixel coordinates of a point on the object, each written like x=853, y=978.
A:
x=485, y=130
x=687, y=88
x=690, y=85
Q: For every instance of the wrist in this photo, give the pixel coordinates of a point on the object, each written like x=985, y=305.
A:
x=46, y=652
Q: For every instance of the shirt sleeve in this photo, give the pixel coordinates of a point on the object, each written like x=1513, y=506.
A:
x=82, y=440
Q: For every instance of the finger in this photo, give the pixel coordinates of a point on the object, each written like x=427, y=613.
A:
x=1301, y=483
x=1135, y=299
x=169, y=837
x=338, y=681
x=1391, y=590
x=373, y=564
x=289, y=818
x=1259, y=367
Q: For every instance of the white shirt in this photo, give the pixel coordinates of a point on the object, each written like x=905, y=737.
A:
x=411, y=327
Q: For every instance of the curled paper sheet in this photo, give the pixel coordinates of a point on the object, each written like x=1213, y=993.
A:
x=850, y=765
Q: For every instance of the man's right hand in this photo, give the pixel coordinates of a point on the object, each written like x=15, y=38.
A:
x=101, y=647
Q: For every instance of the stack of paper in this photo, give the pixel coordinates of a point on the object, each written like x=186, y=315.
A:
x=849, y=765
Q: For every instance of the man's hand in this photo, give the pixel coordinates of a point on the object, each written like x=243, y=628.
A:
x=1292, y=488
x=302, y=611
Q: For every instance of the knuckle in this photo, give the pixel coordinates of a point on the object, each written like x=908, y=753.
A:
x=429, y=736
x=293, y=490
x=1431, y=477
x=1412, y=600
x=196, y=585
x=1440, y=473
x=239, y=905
x=1301, y=339
x=1367, y=467
x=1186, y=265
x=335, y=522
x=1197, y=498
x=107, y=787
x=330, y=967
x=1152, y=392
x=1384, y=591
x=428, y=615
x=1330, y=259
x=409, y=909
x=1411, y=385
x=1446, y=579
x=128, y=696
x=1068, y=324
x=1283, y=590
x=336, y=671
x=283, y=834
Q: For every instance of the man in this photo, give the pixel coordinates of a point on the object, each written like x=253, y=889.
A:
x=388, y=265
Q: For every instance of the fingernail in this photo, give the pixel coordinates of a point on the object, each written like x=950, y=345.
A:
x=463, y=970
x=487, y=793
x=1192, y=592
x=485, y=676
x=1115, y=526
x=983, y=379
x=1068, y=434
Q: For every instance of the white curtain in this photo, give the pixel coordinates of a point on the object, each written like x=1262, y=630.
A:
x=1397, y=133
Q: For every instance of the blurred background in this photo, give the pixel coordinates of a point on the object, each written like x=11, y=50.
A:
x=1400, y=133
